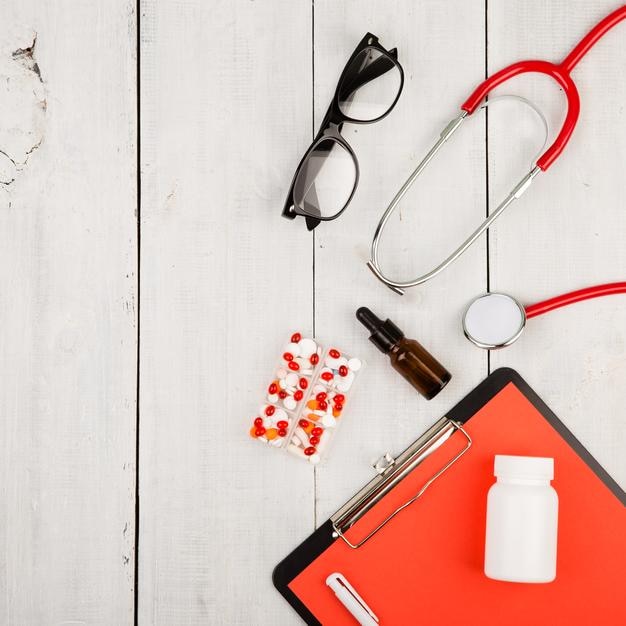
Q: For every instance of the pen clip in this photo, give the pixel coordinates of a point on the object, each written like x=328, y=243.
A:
x=357, y=598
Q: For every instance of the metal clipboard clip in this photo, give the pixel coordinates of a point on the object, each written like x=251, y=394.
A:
x=390, y=472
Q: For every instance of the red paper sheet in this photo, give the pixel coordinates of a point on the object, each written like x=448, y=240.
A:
x=426, y=566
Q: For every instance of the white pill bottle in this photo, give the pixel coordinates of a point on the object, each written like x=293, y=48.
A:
x=522, y=518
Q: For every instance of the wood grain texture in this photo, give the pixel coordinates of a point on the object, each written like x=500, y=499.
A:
x=67, y=305
x=231, y=93
x=226, y=92
x=444, y=205
x=231, y=97
x=567, y=232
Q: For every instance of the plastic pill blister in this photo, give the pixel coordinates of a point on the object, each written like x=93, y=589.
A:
x=305, y=398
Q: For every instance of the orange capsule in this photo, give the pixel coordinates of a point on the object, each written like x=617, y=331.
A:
x=312, y=404
x=271, y=433
x=336, y=412
x=253, y=432
x=308, y=428
x=313, y=417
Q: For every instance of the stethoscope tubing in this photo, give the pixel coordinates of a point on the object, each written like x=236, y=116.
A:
x=597, y=291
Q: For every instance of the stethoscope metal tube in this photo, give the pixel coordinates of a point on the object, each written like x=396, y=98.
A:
x=517, y=191
x=560, y=73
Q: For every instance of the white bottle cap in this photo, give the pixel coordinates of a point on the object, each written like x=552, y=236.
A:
x=524, y=467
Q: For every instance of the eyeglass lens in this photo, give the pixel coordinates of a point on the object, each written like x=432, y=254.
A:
x=326, y=179
x=370, y=86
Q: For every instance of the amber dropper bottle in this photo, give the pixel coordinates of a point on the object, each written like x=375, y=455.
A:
x=408, y=357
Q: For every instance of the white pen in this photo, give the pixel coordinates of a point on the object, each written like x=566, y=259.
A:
x=347, y=595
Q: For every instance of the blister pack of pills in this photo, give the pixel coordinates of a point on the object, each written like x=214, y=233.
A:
x=306, y=397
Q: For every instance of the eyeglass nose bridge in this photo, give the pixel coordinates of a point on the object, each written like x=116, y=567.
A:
x=518, y=190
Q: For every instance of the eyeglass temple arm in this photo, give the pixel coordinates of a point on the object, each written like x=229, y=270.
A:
x=373, y=71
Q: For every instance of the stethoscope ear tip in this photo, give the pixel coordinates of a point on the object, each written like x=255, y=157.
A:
x=493, y=321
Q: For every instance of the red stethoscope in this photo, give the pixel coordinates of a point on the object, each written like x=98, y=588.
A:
x=561, y=74
x=496, y=320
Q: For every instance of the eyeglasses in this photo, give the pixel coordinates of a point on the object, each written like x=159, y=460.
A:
x=328, y=174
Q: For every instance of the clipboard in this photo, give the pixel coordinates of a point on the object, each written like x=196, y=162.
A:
x=412, y=540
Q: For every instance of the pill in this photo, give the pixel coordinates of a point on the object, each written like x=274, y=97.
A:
x=307, y=347
x=312, y=404
x=323, y=443
x=343, y=370
x=298, y=395
x=322, y=395
x=344, y=383
x=272, y=397
x=326, y=375
x=292, y=379
x=319, y=412
x=301, y=435
x=287, y=356
x=253, y=431
x=290, y=403
x=295, y=441
x=334, y=353
x=309, y=451
x=258, y=421
x=297, y=450
x=314, y=359
x=331, y=362
x=269, y=410
x=259, y=431
x=354, y=364
x=295, y=349
x=317, y=431
x=313, y=440
x=282, y=383
x=303, y=423
x=280, y=414
x=292, y=365
x=282, y=424
x=303, y=383
x=295, y=338
x=329, y=421
x=276, y=442
x=314, y=458
x=306, y=372
x=271, y=433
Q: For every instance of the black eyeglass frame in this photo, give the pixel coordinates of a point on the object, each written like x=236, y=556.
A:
x=330, y=128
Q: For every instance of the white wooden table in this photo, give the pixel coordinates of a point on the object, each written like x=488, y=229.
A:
x=147, y=279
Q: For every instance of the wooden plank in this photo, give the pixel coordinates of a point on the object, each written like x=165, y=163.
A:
x=442, y=62
x=568, y=231
x=68, y=340
x=226, y=114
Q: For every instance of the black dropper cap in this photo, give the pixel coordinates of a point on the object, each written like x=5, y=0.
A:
x=385, y=335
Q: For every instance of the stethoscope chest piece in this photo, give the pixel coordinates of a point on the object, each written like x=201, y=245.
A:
x=494, y=320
